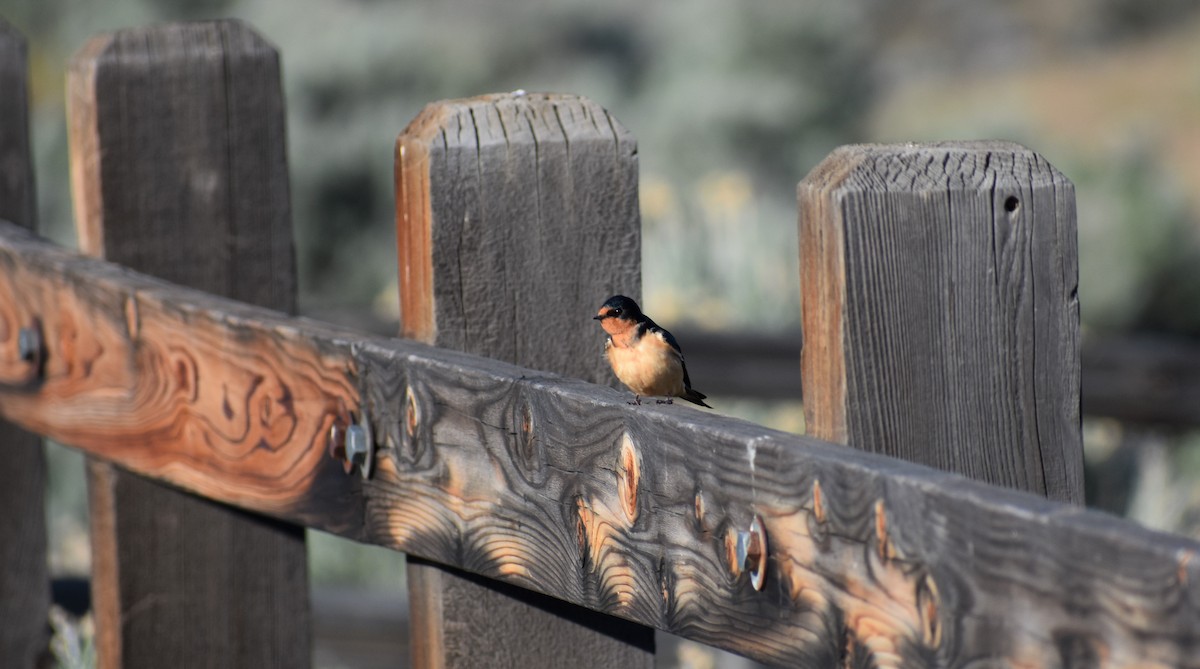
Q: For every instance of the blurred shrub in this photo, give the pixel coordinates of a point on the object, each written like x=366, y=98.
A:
x=1139, y=247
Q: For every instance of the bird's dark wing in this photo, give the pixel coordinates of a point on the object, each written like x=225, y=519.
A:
x=650, y=326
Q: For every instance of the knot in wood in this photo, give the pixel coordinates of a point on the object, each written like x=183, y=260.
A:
x=525, y=438
x=884, y=545
x=818, y=502
x=412, y=414
x=523, y=441
x=628, y=477
x=583, y=516
x=818, y=518
x=414, y=421
x=928, y=606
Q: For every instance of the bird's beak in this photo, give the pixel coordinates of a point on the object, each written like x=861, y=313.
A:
x=598, y=317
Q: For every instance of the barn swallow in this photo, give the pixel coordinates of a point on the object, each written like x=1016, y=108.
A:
x=645, y=357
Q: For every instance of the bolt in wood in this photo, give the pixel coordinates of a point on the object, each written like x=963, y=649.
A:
x=751, y=552
x=29, y=343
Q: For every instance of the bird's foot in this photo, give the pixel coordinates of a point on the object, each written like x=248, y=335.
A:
x=666, y=401
x=637, y=400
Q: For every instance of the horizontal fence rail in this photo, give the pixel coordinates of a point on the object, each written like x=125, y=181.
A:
x=560, y=486
x=1137, y=378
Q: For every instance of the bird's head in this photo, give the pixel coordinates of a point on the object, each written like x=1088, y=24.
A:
x=618, y=314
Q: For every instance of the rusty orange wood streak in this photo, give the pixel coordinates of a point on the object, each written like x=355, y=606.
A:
x=413, y=215
x=823, y=297
x=209, y=405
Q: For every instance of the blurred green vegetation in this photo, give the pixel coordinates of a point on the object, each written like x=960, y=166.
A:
x=732, y=103
x=1140, y=251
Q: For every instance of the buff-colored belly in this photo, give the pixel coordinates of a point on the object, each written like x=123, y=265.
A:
x=650, y=367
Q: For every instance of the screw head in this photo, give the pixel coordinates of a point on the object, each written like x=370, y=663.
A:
x=741, y=550
x=353, y=445
x=29, y=343
x=360, y=448
x=356, y=444
x=337, y=441
x=750, y=552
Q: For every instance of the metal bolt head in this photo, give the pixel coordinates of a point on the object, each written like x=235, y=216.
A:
x=741, y=549
x=356, y=445
x=352, y=444
x=29, y=344
x=750, y=552
x=337, y=441
x=360, y=448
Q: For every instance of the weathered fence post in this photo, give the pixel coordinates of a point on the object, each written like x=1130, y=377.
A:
x=24, y=580
x=178, y=161
x=516, y=217
x=941, y=322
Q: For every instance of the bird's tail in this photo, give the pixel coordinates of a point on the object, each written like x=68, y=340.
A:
x=694, y=396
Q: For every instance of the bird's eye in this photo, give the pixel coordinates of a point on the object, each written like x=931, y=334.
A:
x=615, y=313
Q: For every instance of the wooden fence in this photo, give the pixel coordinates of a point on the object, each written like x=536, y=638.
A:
x=548, y=522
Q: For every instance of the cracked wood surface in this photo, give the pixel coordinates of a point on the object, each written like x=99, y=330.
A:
x=939, y=303
x=525, y=477
x=520, y=214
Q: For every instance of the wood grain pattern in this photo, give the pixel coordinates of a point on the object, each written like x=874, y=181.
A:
x=24, y=581
x=479, y=622
x=178, y=159
x=175, y=383
x=524, y=477
x=492, y=188
x=18, y=201
x=517, y=216
x=939, y=300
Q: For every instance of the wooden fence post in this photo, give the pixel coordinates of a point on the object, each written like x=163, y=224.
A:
x=178, y=165
x=941, y=322
x=24, y=580
x=516, y=217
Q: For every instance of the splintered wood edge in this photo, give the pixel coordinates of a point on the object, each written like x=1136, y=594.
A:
x=823, y=297
x=413, y=238
x=887, y=552
x=84, y=144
